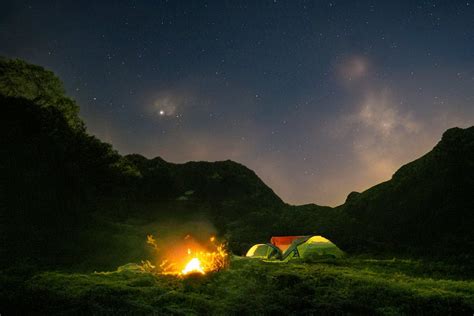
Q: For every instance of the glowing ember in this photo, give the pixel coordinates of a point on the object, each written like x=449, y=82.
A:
x=188, y=256
x=193, y=266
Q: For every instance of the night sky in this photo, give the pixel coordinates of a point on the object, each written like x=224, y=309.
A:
x=319, y=98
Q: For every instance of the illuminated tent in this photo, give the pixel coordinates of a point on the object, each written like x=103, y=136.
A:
x=292, y=247
x=312, y=247
x=264, y=251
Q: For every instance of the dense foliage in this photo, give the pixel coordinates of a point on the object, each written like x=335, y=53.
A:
x=52, y=176
x=18, y=78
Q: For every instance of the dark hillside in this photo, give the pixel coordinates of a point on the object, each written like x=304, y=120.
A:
x=426, y=208
x=62, y=188
x=58, y=179
x=52, y=176
x=216, y=183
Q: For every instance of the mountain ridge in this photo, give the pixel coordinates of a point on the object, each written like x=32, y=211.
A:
x=428, y=192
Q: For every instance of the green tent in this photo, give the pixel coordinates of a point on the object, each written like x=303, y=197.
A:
x=264, y=251
x=312, y=247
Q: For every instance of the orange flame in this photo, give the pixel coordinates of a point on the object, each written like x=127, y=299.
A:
x=193, y=266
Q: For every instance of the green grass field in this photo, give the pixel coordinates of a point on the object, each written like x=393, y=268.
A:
x=351, y=285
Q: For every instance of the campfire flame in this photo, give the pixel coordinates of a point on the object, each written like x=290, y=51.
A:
x=193, y=266
x=189, y=257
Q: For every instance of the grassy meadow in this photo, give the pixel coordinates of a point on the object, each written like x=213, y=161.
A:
x=351, y=285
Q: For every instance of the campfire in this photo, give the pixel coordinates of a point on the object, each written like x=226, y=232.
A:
x=188, y=256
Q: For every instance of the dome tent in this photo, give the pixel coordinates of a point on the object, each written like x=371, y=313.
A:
x=264, y=251
x=312, y=247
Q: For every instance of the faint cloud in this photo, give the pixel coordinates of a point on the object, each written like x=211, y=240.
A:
x=169, y=103
x=166, y=105
x=353, y=68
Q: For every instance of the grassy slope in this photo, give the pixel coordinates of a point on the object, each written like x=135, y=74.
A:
x=353, y=285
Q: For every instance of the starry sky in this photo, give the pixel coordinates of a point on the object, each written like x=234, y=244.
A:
x=319, y=98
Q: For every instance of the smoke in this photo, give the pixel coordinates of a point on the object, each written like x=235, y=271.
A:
x=174, y=230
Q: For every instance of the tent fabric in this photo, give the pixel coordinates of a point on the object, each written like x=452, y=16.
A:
x=264, y=251
x=312, y=247
x=284, y=242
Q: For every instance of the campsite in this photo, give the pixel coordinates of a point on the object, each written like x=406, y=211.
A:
x=236, y=157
